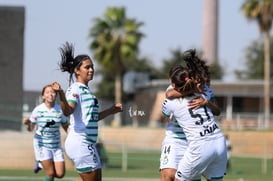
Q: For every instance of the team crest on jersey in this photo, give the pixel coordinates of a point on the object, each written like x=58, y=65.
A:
x=75, y=95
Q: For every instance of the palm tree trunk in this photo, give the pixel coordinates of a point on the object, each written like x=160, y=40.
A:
x=210, y=31
x=267, y=80
x=118, y=96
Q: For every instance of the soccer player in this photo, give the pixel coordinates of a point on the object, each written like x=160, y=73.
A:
x=175, y=142
x=46, y=119
x=83, y=108
x=206, y=152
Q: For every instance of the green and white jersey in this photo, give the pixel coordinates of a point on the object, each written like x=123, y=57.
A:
x=173, y=129
x=48, y=122
x=84, y=120
x=198, y=124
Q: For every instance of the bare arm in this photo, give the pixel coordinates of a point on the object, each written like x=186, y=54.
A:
x=112, y=110
x=199, y=102
x=66, y=107
x=172, y=93
x=214, y=108
x=27, y=122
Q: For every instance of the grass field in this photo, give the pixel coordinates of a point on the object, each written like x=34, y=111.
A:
x=143, y=166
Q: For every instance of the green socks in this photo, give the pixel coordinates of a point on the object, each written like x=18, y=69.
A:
x=48, y=179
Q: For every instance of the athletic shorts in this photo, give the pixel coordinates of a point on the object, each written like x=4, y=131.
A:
x=84, y=156
x=43, y=153
x=207, y=158
x=172, y=151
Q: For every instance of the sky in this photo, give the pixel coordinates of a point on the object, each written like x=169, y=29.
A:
x=168, y=25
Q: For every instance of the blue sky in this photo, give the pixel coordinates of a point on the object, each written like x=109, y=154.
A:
x=167, y=25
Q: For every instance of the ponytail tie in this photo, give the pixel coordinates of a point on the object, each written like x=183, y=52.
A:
x=186, y=79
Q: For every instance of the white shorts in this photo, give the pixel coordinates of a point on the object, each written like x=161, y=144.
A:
x=207, y=158
x=84, y=156
x=172, y=151
x=43, y=153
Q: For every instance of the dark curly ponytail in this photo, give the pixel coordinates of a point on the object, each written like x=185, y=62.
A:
x=68, y=62
x=197, y=68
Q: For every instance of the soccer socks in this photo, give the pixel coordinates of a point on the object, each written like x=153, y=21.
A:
x=48, y=179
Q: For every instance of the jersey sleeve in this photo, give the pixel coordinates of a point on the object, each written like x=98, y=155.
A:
x=209, y=93
x=72, y=95
x=33, y=116
x=166, y=108
x=170, y=87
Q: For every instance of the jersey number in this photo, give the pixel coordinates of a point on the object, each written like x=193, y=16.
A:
x=200, y=120
x=167, y=149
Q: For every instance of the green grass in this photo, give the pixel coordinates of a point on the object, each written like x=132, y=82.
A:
x=146, y=164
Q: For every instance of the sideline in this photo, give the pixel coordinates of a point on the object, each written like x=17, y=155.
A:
x=22, y=178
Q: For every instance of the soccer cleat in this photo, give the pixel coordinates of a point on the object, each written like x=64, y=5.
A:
x=37, y=167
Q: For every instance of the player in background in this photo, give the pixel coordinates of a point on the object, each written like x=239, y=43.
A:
x=46, y=119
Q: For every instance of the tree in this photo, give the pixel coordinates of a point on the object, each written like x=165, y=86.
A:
x=215, y=69
x=106, y=86
x=115, y=44
x=262, y=12
x=175, y=59
x=254, y=55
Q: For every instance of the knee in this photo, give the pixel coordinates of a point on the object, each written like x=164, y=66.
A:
x=59, y=175
x=168, y=178
x=50, y=174
x=167, y=175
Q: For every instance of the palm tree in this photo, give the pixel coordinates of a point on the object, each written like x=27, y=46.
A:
x=262, y=12
x=115, y=44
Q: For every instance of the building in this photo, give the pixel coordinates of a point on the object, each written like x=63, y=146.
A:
x=12, y=23
x=241, y=102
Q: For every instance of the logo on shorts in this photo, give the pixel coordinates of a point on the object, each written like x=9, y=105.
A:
x=179, y=174
x=165, y=160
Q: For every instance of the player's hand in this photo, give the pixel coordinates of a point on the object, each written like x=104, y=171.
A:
x=117, y=108
x=27, y=122
x=56, y=86
x=198, y=102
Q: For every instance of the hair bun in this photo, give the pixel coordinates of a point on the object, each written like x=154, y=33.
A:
x=189, y=54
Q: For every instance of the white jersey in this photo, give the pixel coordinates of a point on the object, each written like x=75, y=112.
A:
x=206, y=153
x=198, y=124
x=174, y=144
x=173, y=129
x=48, y=122
x=84, y=120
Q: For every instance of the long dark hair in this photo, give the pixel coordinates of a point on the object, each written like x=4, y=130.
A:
x=197, y=67
x=68, y=63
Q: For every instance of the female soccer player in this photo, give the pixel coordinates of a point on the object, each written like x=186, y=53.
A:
x=206, y=152
x=47, y=118
x=83, y=108
x=175, y=142
x=199, y=73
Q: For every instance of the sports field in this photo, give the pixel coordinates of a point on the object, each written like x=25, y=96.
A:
x=143, y=166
